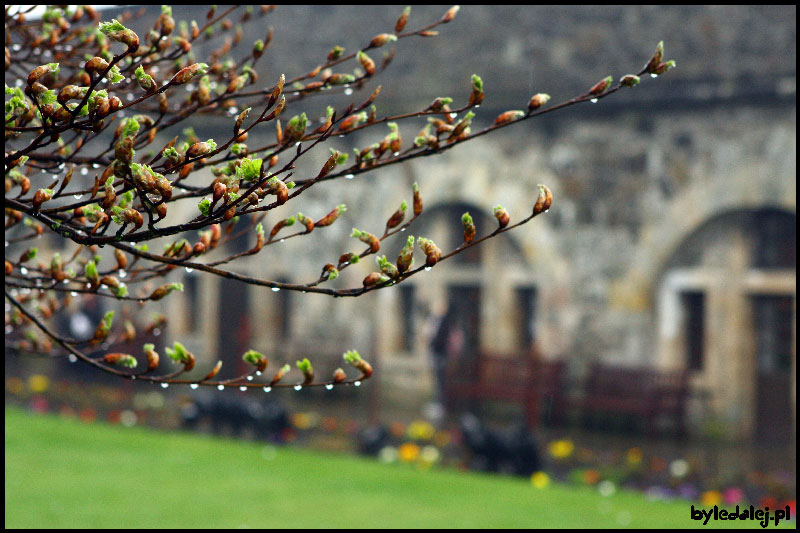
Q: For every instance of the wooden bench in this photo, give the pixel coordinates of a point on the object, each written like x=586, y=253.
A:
x=640, y=391
x=535, y=384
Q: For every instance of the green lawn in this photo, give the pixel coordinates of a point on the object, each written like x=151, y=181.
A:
x=64, y=473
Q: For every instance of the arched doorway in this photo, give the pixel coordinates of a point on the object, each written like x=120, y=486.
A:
x=727, y=311
x=487, y=294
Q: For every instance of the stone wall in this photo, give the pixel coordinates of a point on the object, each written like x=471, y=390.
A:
x=633, y=177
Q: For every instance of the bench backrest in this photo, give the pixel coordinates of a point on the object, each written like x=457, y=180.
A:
x=636, y=382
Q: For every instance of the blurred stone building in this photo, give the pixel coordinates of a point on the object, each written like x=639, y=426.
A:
x=671, y=242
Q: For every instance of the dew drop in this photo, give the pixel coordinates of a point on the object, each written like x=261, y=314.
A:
x=72, y=358
x=84, y=171
x=77, y=196
x=220, y=387
x=403, y=229
x=122, y=273
x=164, y=385
x=233, y=111
x=357, y=383
x=194, y=386
x=275, y=289
x=95, y=165
x=129, y=97
x=349, y=176
x=267, y=389
x=427, y=269
x=156, y=332
x=477, y=106
x=329, y=386
x=348, y=91
x=298, y=143
x=243, y=388
x=249, y=378
x=546, y=210
x=282, y=240
x=653, y=75
x=189, y=270
x=298, y=387
x=593, y=100
x=258, y=372
x=23, y=271
x=453, y=115
x=65, y=282
x=73, y=293
x=133, y=377
x=9, y=329
x=396, y=154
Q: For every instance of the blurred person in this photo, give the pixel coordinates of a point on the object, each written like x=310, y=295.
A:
x=446, y=346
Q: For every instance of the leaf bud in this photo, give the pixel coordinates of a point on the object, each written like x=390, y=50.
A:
x=162, y=291
x=397, y=217
x=187, y=73
x=476, y=97
x=280, y=225
x=502, y=216
x=214, y=371
x=381, y=39
x=353, y=358
x=537, y=101
x=331, y=217
x=116, y=31
x=601, y=86
x=374, y=279
x=308, y=371
x=368, y=238
x=256, y=359
x=469, y=227
x=152, y=356
x=544, y=200
x=406, y=257
x=280, y=373
x=401, y=22
x=508, y=116
x=367, y=63
x=450, y=14
x=120, y=359
x=657, y=58
x=339, y=376
x=629, y=81
x=306, y=221
x=431, y=251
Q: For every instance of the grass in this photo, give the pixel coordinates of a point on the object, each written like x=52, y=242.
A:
x=67, y=474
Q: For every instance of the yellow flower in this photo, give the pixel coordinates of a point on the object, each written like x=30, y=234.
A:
x=634, y=456
x=540, y=480
x=710, y=498
x=421, y=430
x=38, y=383
x=408, y=452
x=561, y=449
x=301, y=420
